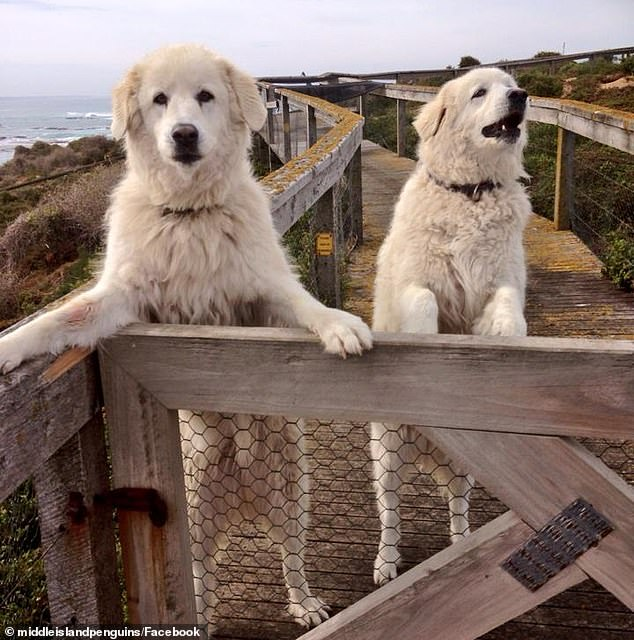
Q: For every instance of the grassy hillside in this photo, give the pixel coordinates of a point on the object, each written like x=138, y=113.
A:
x=51, y=228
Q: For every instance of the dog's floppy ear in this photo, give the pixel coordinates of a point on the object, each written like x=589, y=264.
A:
x=430, y=117
x=249, y=102
x=126, y=112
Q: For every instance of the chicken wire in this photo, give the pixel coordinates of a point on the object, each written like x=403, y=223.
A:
x=326, y=469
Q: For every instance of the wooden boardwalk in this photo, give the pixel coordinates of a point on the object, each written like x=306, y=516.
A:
x=567, y=296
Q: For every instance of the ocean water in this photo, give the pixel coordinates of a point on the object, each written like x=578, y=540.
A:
x=58, y=119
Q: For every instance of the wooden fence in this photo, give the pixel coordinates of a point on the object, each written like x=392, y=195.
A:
x=521, y=403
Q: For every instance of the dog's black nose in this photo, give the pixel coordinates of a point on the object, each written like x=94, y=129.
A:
x=185, y=135
x=517, y=98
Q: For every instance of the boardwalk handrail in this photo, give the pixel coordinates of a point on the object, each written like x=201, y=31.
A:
x=302, y=180
x=601, y=124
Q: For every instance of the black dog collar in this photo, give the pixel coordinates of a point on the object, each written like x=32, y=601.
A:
x=189, y=211
x=473, y=191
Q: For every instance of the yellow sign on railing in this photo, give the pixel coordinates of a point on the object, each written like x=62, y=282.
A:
x=324, y=244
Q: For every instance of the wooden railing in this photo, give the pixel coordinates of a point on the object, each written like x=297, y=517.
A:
x=601, y=124
x=551, y=62
x=510, y=429
x=328, y=167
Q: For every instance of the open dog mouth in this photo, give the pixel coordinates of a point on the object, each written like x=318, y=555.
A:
x=507, y=128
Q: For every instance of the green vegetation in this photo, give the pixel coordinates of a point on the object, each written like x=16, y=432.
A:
x=22, y=585
x=618, y=258
x=468, y=61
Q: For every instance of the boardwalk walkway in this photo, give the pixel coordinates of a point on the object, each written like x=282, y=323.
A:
x=567, y=297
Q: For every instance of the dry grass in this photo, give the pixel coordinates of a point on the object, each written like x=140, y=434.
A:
x=38, y=247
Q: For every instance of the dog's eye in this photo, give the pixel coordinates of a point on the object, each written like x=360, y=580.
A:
x=160, y=98
x=479, y=93
x=204, y=96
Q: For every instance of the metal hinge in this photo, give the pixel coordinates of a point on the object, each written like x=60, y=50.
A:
x=135, y=499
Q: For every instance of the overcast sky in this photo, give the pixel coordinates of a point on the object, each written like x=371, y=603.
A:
x=82, y=47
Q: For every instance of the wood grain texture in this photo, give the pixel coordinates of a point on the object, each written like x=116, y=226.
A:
x=80, y=560
x=537, y=477
x=38, y=416
x=523, y=385
x=146, y=453
x=458, y=594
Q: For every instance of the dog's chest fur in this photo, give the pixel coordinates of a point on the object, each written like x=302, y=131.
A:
x=459, y=249
x=192, y=269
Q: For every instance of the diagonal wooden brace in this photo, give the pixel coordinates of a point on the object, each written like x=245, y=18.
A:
x=539, y=476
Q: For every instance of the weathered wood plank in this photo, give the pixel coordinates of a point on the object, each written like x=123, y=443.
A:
x=355, y=190
x=601, y=124
x=401, y=127
x=80, y=560
x=324, y=231
x=527, y=385
x=36, y=409
x=538, y=477
x=421, y=603
x=146, y=453
x=301, y=182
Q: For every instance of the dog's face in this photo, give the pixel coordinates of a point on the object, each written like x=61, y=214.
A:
x=185, y=101
x=480, y=116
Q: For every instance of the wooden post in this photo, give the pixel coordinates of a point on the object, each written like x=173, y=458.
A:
x=363, y=105
x=326, y=272
x=401, y=127
x=286, y=127
x=564, y=180
x=311, y=126
x=146, y=453
x=355, y=205
x=78, y=536
x=270, y=121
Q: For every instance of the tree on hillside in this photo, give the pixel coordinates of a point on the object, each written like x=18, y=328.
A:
x=546, y=54
x=468, y=61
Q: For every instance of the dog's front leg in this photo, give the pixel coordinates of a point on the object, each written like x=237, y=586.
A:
x=503, y=315
x=80, y=322
x=340, y=332
x=285, y=508
x=385, y=444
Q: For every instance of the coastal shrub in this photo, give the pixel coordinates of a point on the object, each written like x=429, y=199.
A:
x=627, y=65
x=66, y=222
x=22, y=582
x=618, y=258
x=541, y=84
x=43, y=159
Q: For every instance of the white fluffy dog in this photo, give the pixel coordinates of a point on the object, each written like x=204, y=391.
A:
x=453, y=262
x=191, y=240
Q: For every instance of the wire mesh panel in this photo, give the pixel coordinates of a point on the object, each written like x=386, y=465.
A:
x=286, y=513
